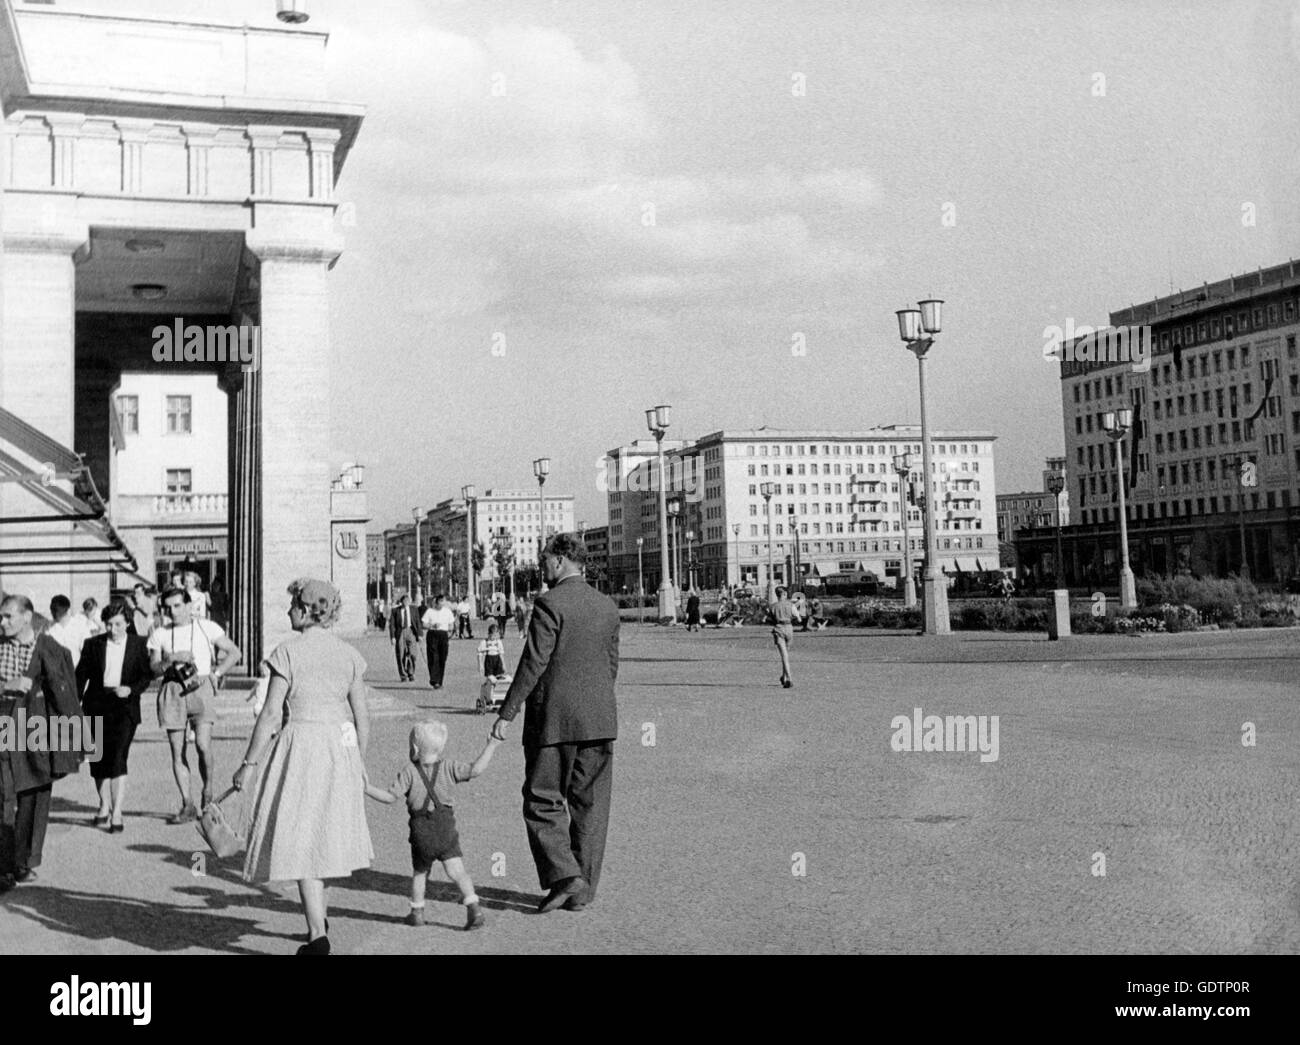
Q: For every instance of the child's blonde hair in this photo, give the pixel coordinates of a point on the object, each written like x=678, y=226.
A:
x=427, y=740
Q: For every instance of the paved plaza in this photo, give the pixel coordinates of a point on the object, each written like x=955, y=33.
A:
x=748, y=818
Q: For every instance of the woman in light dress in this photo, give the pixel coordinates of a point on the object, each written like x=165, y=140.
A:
x=309, y=820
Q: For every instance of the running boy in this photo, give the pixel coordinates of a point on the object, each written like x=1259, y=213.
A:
x=426, y=783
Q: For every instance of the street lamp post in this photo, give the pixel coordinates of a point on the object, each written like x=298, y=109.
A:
x=674, y=549
x=541, y=469
x=640, y=584
x=656, y=419
x=1056, y=486
x=735, y=532
x=392, y=577
x=1116, y=424
x=690, y=560
x=1242, y=484
x=767, y=489
x=415, y=512
x=914, y=324
x=468, y=493
x=409, y=589
x=903, y=469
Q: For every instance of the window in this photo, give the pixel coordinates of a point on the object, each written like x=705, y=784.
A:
x=178, y=415
x=180, y=482
x=128, y=414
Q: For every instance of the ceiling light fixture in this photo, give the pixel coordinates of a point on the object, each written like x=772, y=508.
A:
x=149, y=291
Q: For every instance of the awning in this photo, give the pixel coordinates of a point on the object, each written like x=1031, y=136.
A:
x=69, y=532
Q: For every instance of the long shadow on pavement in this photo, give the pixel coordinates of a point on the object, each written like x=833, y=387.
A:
x=149, y=924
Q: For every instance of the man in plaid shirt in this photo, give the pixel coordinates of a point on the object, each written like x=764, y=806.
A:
x=36, y=675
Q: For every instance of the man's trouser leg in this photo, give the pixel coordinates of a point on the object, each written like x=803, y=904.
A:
x=590, y=786
x=546, y=772
x=399, y=645
x=431, y=655
x=29, y=827
x=438, y=648
x=8, y=814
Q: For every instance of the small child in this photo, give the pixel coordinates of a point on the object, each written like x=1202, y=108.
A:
x=491, y=653
x=426, y=784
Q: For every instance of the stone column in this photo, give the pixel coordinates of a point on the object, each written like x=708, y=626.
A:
x=37, y=359
x=294, y=392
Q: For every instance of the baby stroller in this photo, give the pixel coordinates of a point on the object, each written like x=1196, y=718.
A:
x=492, y=692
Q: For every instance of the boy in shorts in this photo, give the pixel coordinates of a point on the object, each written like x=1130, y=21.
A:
x=426, y=783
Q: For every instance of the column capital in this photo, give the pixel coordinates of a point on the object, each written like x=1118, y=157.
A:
x=74, y=240
x=268, y=248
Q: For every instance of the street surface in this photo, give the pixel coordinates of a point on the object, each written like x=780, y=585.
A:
x=748, y=818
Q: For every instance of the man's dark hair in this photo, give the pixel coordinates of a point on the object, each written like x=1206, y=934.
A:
x=21, y=601
x=116, y=607
x=88, y=605
x=59, y=605
x=567, y=546
x=185, y=596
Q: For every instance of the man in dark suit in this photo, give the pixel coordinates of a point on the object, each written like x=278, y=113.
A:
x=36, y=677
x=565, y=681
x=404, y=628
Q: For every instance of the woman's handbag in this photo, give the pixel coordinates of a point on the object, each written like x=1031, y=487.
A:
x=218, y=831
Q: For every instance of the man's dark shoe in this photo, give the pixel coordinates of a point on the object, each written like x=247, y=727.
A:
x=578, y=903
x=25, y=874
x=560, y=894
x=6, y=883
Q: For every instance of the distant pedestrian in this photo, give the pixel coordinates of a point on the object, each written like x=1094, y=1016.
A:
x=426, y=784
x=693, y=612
x=464, y=623
x=144, y=614
x=404, y=629
x=564, y=683
x=70, y=630
x=438, y=621
x=500, y=611
x=90, y=618
x=781, y=615
x=521, y=613
x=199, y=604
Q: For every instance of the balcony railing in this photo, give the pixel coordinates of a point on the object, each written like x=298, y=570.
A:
x=190, y=503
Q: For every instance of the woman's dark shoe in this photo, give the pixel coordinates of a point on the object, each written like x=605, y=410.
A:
x=116, y=829
x=102, y=820
x=188, y=814
x=320, y=945
x=788, y=684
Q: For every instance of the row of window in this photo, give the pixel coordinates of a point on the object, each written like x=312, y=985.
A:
x=858, y=450
x=1195, y=506
x=178, y=411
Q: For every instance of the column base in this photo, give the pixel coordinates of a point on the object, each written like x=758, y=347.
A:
x=1127, y=589
x=667, y=606
x=935, y=617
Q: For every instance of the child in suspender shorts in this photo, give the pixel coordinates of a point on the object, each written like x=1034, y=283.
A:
x=426, y=784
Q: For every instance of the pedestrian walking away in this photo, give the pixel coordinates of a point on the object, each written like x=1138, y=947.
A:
x=565, y=684
x=426, y=784
x=782, y=615
x=309, y=816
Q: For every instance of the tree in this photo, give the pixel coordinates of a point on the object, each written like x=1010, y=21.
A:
x=480, y=557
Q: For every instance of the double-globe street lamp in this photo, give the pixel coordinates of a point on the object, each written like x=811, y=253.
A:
x=541, y=469
x=1116, y=424
x=656, y=419
x=1056, y=487
x=690, y=560
x=767, y=489
x=903, y=469
x=916, y=326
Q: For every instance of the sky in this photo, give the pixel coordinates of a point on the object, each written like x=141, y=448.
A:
x=568, y=212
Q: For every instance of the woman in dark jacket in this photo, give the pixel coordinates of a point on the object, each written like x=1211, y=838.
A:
x=112, y=673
